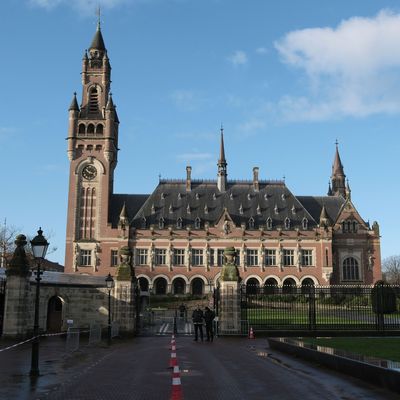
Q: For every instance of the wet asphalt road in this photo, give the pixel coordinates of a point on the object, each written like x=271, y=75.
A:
x=229, y=368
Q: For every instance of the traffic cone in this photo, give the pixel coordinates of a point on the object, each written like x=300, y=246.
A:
x=176, y=393
x=173, y=362
x=251, y=333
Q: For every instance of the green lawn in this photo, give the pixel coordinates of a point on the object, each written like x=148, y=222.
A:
x=386, y=348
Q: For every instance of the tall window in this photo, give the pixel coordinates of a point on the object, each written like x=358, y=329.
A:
x=197, y=257
x=288, y=257
x=252, y=257
x=161, y=256
x=305, y=223
x=179, y=223
x=270, y=257
x=269, y=223
x=251, y=223
x=142, y=256
x=287, y=223
x=93, y=101
x=161, y=223
x=220, y=257
x=306, y=258
x=179, y=256
x=197, y=223
x=87, y=213
x=114, y=258
x=326, y=257
x=86, y=258
x=351, y=270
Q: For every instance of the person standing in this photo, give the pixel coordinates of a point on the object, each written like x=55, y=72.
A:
x=197, y=318
x=209, y=316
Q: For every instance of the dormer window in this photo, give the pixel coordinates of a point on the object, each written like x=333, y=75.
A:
x=304, y=223
x=251, y=223
x=143, y=223
x=265, y=196
x=179, y=196
x=241, y=209
x=188, y=209
x=205, y=209
x=162, y=196
x=258, y=210
x=231, y=196
x=248, y=196
x=179, y=223
x=153, y=209
x=214, y=196
x=276, y=209
x=197, y=223
x=269, y=223
x=293, y=210
x=197, y=196
x=283, y=196
x=171, y=209
x=287, y=223
x=161, y=223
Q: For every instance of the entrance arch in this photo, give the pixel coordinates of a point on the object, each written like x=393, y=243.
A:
x=54, y=314
x=143, y=284
x=161, y=286
x=197, y=286
x=252, y=286
x=178, y=286
x=271, y=286
x=289, y=286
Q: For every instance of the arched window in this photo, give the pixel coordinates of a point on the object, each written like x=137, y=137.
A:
x=289, y=286
x=143, y=284
x=287, y=223
x=178, y=286
x=197, y=223
x=251, y=223
x=271, y=286
x=269, y=223
x=160, y=286
x=252, y=286
x=99, y=129
x=161, y=223
x=93, y=101
x=82, y=129
x=305, y=223
x=179, y=223
x=351, y=271
x=90, y=129
x=197, y=286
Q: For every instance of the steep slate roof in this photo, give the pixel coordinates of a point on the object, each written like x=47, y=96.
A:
x=132, y=202
x=314, y=204
x=98, y=41
x=170, y=201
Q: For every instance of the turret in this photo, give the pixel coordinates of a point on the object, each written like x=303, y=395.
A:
x=338, y=177
x=222, y=166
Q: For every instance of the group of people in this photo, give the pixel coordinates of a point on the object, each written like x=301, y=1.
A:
x=198, y=316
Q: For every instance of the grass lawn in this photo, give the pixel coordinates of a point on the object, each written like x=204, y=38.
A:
x=387, y=348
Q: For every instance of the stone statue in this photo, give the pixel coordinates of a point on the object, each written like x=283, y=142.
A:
x=229, y=269
x=124, y=270
x=19, y=264
x=226, y=227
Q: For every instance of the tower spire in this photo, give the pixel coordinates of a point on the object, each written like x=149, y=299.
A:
x=338, y=177
x=222, y=165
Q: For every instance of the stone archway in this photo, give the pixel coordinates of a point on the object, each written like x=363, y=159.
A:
x=54, y=314
x=271, y=286
x=143, y=284
x=178, y=286
x=160, y=286
x=252, y=286
x=289, y=286
x=197, y=286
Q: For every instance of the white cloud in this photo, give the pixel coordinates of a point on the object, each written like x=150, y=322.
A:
x=252, y=125
x=261, y=50
x=352, y=70
x=239, y=57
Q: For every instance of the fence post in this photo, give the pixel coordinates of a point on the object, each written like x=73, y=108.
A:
x=312, y=319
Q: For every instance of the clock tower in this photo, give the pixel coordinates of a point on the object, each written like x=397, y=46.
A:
x=92, y=151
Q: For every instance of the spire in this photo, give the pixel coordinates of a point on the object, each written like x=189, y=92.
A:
x=98, y=42
x=330, y=189
x=222, y=164
x=110, y=103
x=74, y=104
x=338, y=177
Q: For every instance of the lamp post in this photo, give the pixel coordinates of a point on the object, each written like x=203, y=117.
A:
x=39, y=246
x=110, y=286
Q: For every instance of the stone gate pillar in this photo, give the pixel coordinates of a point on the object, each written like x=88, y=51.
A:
x=18, y=319
x=124, y=293
x=229, y=309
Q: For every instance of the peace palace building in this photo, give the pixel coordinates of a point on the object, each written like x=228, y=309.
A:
x=177, y=234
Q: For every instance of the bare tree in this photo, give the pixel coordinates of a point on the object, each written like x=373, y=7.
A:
x=7, y=246
x=391, y=269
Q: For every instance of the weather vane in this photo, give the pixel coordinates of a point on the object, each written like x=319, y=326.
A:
x=98, y=13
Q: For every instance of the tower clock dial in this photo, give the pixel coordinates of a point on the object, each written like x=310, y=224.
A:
x=89, y=172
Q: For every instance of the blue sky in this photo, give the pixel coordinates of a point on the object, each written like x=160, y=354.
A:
x=285, y=78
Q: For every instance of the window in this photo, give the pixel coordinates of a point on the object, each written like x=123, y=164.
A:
x=197, y=257
x=179, y=223
x=288, y=257
x=82, y=129
x=86, y=258
x=99, y=129
x=161, y=256
x=349, y=226
x=90, y=129
x=251, y=223
x=350, y=269
x=93, y=101
x=142, y=256
x=326, y=257
x=161, y=223
x=306, y=257
x=114, y=258
x=270, y=257
x=197, y=223
x=237, y=257
x=252, y=257
x=287, y=223
x=269, y=223
x=179, y=256
x=220, y=257
x=305, y=223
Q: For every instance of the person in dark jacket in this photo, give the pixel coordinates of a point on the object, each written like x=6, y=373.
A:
x=197, y=318
x=209, y=316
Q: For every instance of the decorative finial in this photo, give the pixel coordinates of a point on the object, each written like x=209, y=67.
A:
x=336, y=143
x=98, y=13
x=159, y=177
x=222, y=127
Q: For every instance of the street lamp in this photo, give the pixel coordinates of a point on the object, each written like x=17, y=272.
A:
x=110, y=286
x=39, y=246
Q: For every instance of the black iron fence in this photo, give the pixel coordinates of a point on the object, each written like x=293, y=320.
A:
x=322, y=310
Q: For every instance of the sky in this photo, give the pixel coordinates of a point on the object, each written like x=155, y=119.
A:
x=286, y=79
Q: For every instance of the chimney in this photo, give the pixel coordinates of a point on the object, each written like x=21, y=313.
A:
x=188, y=178
x=255, y=179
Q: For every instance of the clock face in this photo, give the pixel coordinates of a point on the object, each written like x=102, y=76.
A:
x=89, y=172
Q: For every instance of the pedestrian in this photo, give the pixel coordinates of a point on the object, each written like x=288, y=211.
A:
x=197, y=318
x=209, y=316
